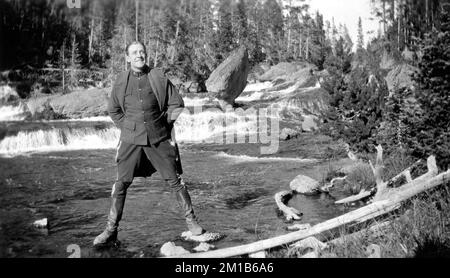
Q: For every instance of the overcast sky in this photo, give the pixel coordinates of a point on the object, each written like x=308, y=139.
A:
x=347, y=12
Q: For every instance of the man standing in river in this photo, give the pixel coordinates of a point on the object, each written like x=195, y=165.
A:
x=144, y=104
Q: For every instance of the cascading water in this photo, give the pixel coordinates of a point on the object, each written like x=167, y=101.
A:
x=59, y=139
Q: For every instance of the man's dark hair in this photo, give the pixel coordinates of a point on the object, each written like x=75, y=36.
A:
x=132, y=43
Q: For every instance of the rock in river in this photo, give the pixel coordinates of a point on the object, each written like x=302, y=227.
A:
x=229, y=79
x=304, y=185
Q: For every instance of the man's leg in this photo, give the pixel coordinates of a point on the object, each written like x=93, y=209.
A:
x=127, y=156
x=162, y=158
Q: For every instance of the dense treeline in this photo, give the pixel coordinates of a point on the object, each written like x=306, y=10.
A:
x=412, y=120
x=190, y=37
x=405, y=22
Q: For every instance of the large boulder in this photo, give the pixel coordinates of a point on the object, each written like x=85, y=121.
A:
x=300, y=72
x=400, y=77
x=82, y=104
x=230, y=78
x=304, y=102
x=169, y=249
x=79, y=104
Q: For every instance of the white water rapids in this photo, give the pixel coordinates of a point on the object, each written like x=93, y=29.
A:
x=195, y=125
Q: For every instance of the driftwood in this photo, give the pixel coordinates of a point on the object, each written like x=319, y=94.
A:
x=289, y=212
x=383, y=189
x=378, y=170
x=376, y=208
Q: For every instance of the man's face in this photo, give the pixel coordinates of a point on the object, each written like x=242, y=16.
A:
x=136, y=56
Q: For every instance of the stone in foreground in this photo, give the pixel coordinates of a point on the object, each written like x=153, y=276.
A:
x=169, y=249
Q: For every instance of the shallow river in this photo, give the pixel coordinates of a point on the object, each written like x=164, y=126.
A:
x=232, y=195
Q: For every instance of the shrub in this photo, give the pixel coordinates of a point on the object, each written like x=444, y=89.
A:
x=356, y=109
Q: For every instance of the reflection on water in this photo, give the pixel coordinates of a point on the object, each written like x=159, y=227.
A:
x=71, y=189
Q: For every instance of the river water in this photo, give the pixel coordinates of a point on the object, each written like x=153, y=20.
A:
x=64, y=171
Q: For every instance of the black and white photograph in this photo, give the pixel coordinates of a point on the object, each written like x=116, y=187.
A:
x=260, y=130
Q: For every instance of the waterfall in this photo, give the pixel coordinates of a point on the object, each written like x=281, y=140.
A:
x=59, y=139
x=212, y=125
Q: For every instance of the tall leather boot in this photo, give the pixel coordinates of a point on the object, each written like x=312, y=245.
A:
x=184, y=200
x=109, y=235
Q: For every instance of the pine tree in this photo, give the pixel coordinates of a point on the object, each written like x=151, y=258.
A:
x=344, y=33
x=417, y=121
x=360, y=43
x=123, y=34
x=240, y=28
x=224, y=41
x=203, y=55
x=356, y=109
x=318, y=48
x=274, y=33
x=433, y=128
x=75, y=64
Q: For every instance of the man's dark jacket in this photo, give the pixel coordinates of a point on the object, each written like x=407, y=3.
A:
x=170, y=103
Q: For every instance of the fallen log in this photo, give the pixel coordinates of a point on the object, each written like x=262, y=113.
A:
x=289, y=212
x=384, y=188
x=351, y=217
x=383, y=192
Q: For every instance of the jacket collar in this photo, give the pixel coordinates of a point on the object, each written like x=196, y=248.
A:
x=145, y=70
